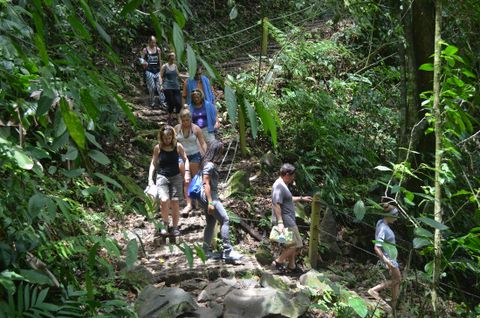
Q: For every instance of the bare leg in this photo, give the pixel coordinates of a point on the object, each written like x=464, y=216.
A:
x=175, y=212
x=286, y=255
x=165, y=209
x=395, y=285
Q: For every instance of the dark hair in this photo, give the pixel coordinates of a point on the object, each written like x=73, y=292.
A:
x=214, y=151
x=287, y=169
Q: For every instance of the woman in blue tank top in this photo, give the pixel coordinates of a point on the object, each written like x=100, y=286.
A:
x=169, y=183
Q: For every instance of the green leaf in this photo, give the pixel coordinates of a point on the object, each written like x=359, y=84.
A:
x=156, y=24
x=209, y=69
x=268, y=121
x=232, y=107
x=359, y=210
x=92, y=139
x=99, y=157
x=89, y=277
x=126, y=109
x=88, y=12
x=42, y=50
x=36, y=277
x=131, y=6
x=45, y=102
x=72, y=153
x=178, y=41
x=426, y=67
x=200, y=252
x=233, y=13
x=179, y=17
x=78, y=27
x=132, y=253
x=111, y=247
x=88, y=103
x=187, y=250
x=420, y=242
x=382, y=168
x=252, y=116
x=73, y=123
x=450, y=50
x=108, y=179
x=433, y=223
x=72, y=173
x=131, y=185
x=103, y=33
x=192, y=61
x=358, y=305
x=389, y=248
x=421, y=232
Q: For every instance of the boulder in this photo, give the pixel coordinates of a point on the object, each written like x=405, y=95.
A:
x=316, y=282
x=328, y=235
x=282, y=283
x=217, y=289
x=262, y=302
x=167, y=302
x=202, y=312
x=263, y=256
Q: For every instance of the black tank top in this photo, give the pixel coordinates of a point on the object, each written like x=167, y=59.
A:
x=168, y=163
x=153, y=60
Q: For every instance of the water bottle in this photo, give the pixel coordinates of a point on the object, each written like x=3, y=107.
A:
x=281, y=238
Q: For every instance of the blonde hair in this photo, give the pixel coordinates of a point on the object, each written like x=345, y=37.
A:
x=163, y=131
x=185, y=113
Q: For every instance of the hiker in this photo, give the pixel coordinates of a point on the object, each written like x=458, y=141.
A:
x=193, y=142
x=213, y=208
x=283, y=215
x=204, y=115
x=384, y=235
x=169, y=181
x=150, y=61
x=200, y=82
x=170, y=74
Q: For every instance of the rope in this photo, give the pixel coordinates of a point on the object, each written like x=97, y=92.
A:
x=227, y=35
x=290, y=14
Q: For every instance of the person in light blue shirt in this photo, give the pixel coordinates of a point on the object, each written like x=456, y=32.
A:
x=387, y=252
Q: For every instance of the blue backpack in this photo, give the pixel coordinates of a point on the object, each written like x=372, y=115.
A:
x=195, y=187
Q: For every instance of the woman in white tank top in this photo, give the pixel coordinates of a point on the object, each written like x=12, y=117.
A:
x=192, y=139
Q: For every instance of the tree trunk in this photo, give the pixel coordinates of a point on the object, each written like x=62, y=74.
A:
x=438, y=155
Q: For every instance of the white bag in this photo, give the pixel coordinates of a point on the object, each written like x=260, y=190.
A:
x=152, y=191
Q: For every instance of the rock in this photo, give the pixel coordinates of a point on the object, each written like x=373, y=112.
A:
x=328, y=234
x=165, y=302
x=277, y=282
x=193, y=284
x=202, y=312
x=139, y=276
x=317, y=282
x=262, y=302
x=239, y=182
x=263, y=256
x=217, y=289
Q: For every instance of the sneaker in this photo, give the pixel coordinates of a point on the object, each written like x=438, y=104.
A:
x=231, y=255
x=294, y=271
x=278, y=266
x=175, y=231
x=163, y=229
x=187, y=209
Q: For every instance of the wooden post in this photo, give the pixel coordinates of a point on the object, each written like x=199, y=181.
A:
x=314, y=230
x=264, y=36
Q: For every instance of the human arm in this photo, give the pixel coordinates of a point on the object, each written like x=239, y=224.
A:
x=162, y=72
x=208, y=193
x=278, y=214
x=182, y=153
x=184, y=92
x=153, y=164
x=201, y=139
x=217, y=122
x=302, y=198
x=382, y=256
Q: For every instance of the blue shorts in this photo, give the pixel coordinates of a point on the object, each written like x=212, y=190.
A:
x=195, y=158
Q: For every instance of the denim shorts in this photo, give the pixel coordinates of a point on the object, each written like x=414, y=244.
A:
x=195, y=158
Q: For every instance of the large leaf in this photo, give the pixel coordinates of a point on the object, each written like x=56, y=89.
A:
x=200, y=252
x=421, y=232
x=359, y=306
x=233, y=13
x=433, y=223
x=211, y=72
x=132, y=253
x=73, y=123
x=108, y=179
x=268, y=121
x=129, y=7
x=45, y=102
x=359, y=210
x=192, y=61
x=420, y=242
x=126, y=109
x=187, y=250
x=88, y=103
x=23, y=160
x=179, y=17
x=178, y=41
x=382, y=168
x=99, y=157
x=232, y=106
x=42, y=50
x=389, y=248
x=105, y=36
x=78, y=27
x=252, y=117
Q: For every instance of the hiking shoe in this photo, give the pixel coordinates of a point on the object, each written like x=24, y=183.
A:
x=175, y=231
x=278, y=266
x=294, y=271
x=163, y=229
x=231, y=255
x=187, y=209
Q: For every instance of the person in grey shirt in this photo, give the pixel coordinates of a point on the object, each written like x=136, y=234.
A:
x=386, y=250
x=283, y=215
